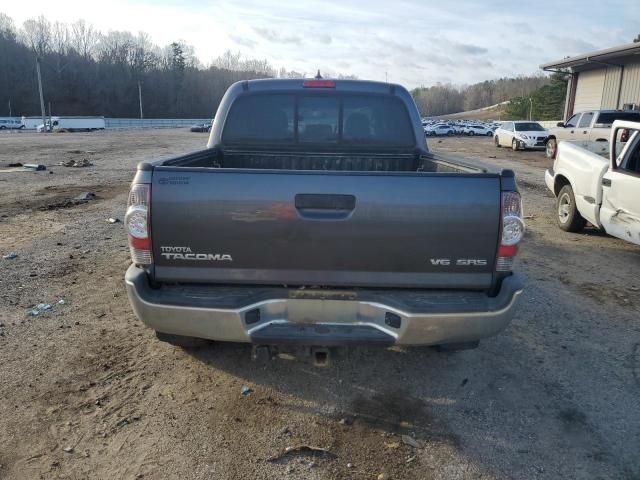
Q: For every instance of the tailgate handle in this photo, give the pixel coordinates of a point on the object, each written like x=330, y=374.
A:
x=318, y=206
x=321, y=201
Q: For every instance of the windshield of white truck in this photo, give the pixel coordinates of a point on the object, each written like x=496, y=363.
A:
x=290, y=119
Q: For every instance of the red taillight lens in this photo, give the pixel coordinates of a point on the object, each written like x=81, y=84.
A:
x=137, y=222
x=319, y=84
x=512, y=230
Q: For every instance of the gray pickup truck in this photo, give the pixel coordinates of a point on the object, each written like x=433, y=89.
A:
x=317, y=216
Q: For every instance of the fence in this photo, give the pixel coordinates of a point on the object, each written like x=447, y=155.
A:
x=153, y=122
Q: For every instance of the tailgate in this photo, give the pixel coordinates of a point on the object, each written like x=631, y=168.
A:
x=324, y=228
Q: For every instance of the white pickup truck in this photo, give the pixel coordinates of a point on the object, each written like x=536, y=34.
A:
x=602, y=191
x=590, y=130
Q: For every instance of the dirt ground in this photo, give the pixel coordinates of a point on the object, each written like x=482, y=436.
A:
x=86, y=391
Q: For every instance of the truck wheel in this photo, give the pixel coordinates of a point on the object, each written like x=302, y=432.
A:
x=514, y=145
x=496, y=140
x=550, y=148
x=569, y=219
x=181, y=340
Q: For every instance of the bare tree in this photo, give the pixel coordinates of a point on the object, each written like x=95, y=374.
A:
x=84, y=38
x=7, y=27
x=37, y=34
x=60, y=38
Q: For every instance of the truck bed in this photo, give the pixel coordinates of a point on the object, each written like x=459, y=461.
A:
x=401, y=161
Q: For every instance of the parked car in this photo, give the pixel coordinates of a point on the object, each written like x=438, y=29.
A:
x=442, y=129
x=329, y=230
x=11, y=124
x=602, y=191
x=472, y=130
x=587, y=127
x=521, y=135
x=201, y=127
x=458, y=128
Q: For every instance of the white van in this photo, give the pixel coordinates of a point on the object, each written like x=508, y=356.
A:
x=11, y=124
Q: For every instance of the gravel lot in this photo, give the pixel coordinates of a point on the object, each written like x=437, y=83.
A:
x=87, y=391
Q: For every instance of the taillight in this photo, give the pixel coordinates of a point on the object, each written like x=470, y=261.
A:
x=136, y=221
x=512, y=230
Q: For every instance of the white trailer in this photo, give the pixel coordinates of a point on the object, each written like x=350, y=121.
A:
x=31, y=123
x=74, y=124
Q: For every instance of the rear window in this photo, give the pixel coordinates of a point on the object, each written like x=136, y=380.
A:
x=290, y=119
x=607, y=118
x=261, y=119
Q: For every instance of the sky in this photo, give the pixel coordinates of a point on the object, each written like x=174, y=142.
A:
x=414, y=43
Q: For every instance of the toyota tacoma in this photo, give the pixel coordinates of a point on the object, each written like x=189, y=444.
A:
x=317, y=216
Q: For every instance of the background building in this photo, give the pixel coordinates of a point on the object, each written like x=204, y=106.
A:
x=605, y=79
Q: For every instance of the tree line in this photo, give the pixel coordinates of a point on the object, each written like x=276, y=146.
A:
x=545, y=103
x=88, y=72
x=442, y=99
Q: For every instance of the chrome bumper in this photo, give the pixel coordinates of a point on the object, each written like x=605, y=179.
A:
x=352, y=319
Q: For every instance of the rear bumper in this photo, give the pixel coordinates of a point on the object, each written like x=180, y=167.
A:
x=326, y=318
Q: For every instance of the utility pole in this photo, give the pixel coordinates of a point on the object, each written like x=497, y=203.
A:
x=530, y=107
x=44, y=114
x=50, y=122
x=140, y=98
x=9, y=107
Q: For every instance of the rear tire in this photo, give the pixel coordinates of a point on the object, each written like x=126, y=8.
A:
x=489, y=134
x=496, y=140
x=181, y=340
x=471, y=133
x=551, y=148
x=568, y=217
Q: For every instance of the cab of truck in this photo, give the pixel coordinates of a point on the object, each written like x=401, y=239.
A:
x=586, y=127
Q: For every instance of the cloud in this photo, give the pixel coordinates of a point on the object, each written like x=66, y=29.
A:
x=436, y=59
x=324, y=38
x=277, y=37
x=465, y=48
x=243, y=41
x=572, y=46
